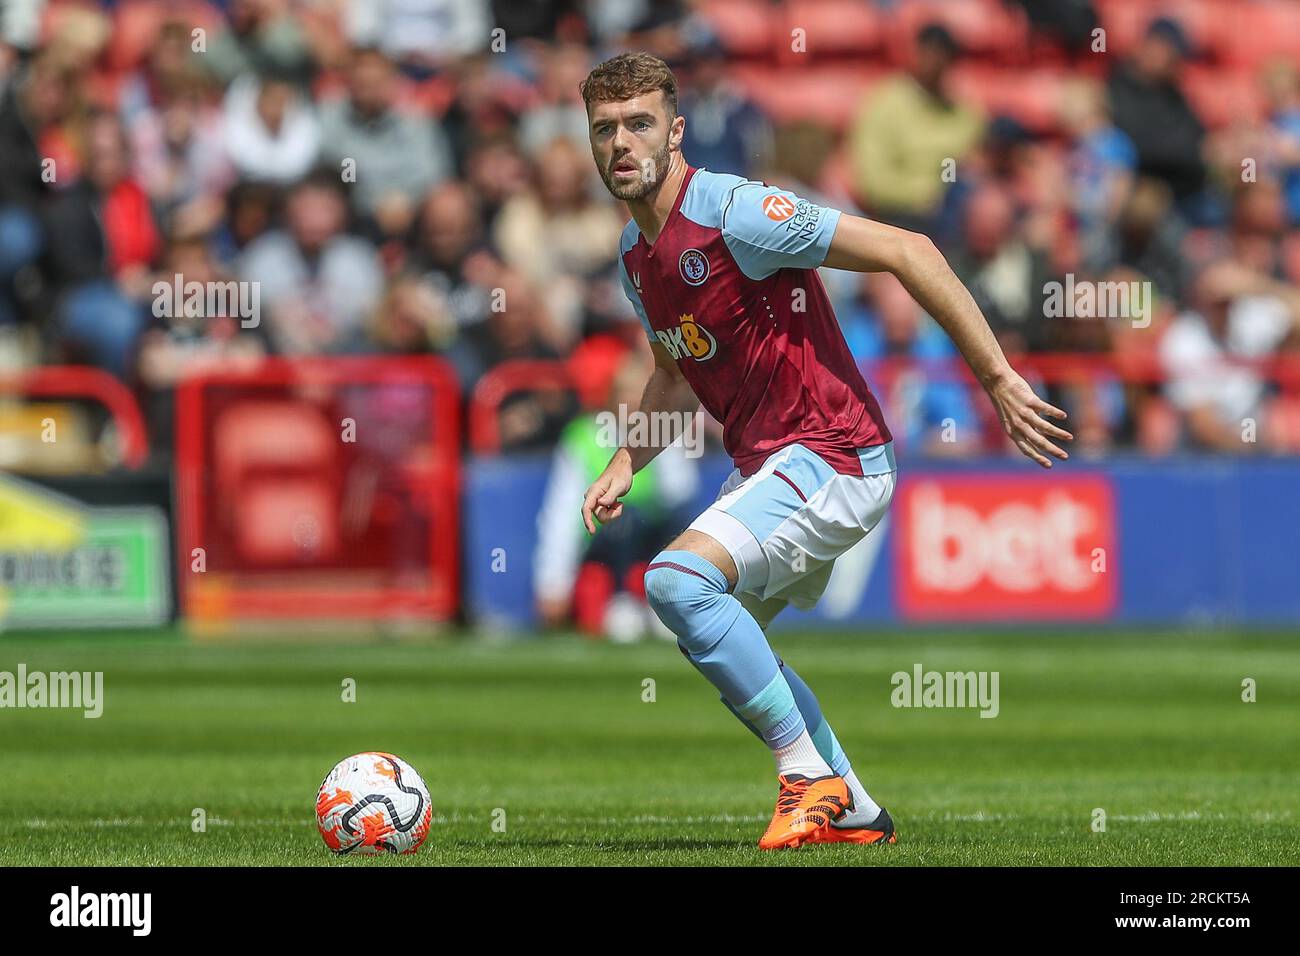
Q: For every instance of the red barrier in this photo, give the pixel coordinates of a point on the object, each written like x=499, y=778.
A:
x=83, y=381
x=506, y=379
x=268, y=488
x=1053, y=368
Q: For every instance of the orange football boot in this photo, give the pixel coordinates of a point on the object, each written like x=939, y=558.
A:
x=804, y=808
x=879, y=830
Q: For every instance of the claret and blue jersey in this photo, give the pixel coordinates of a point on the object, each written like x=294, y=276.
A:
x=730, y=289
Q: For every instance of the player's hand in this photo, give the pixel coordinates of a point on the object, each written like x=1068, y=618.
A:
x=600, y=503
x=1025, y=419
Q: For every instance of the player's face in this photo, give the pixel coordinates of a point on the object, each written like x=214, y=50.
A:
x=631, y=141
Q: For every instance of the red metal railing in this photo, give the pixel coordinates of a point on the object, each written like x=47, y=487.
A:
x=86, y=382
x=506, y=379
x=1053, y=368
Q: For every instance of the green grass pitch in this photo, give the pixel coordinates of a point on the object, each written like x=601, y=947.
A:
x=552, y=737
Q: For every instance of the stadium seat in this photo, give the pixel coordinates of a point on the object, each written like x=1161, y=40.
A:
x=267, y=434
x=1032, y=97
x=1222, y=96
x=829, y=95
x=745, y=27
x=276, y=463
x=832, y=28
x=281, y=519
x=984, y=28
x=1244, y=33
x=136, y=24
x=1256, y=33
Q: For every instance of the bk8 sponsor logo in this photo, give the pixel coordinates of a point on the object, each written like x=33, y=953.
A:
x=995, y=548
x=689, y=339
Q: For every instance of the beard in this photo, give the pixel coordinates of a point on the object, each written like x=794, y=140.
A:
x=641, y=187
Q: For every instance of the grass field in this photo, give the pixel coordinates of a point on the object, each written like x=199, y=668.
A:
x=1150, y=728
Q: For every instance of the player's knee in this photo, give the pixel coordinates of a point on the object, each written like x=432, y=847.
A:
x=683, y=588
x=672, y=588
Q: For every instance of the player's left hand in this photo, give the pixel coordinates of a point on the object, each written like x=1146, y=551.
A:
x=1024, y=418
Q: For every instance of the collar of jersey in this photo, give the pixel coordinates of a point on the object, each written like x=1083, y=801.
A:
x=677, y=205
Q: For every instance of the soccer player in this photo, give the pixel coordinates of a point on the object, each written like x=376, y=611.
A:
x=722, y=273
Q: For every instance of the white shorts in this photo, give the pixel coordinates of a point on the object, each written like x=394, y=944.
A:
x=785, y=525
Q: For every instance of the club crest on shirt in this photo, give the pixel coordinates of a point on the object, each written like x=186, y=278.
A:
x=688, y=340
x=694, y=266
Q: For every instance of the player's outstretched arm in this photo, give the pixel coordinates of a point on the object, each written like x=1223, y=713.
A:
x=666, y=391
x=861, y=245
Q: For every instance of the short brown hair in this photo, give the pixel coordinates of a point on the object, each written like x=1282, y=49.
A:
x=629, y=75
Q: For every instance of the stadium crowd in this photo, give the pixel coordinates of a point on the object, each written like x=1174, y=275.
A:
x=413, y=176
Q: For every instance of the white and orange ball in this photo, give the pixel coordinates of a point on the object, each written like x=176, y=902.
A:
x=373, y=803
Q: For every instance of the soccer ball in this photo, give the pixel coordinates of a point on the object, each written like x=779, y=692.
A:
x=373, y=803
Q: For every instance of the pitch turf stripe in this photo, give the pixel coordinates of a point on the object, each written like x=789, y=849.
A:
x=783, y=477
x=455, y=819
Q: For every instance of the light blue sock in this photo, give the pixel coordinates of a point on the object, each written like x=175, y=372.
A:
x=724, y=642
x=819, y=729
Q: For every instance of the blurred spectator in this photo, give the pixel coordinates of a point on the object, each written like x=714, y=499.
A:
x=420, y=34
x=483, y=107
x=725, y=131
x=169, y=67
x=271, y=133
x=1147, y=102
x=515, y=328
x=475, y=228
x=412, y=318
x=559, y=113
x=910, y=125
x=1246, y=152
x=1148, y=420
x=263, y=36
x=102, y=244
x=497, y=171
x=33, y=101
x=180, y=159
x=317, y=282
x=597, y=582
x=929, y=411
x=179, y=344
x=539, y=20
x=1282, y=86
x=1100, y=168
x=1003, y=271
x=1240, y=315
x=452, y=254
x=1258, y=226
x=20, y=24
x=249, y=212
x=1099, y=404
x=1069, y=22
x=76, y=35
x=397, y=156
x=1149, y=237
x=560, y=234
